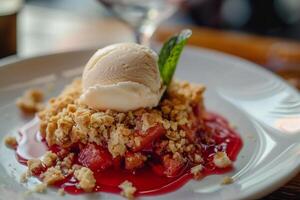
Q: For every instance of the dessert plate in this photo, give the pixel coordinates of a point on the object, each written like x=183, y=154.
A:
x=265, y=110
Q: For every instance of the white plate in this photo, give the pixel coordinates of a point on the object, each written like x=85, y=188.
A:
x=263, y=107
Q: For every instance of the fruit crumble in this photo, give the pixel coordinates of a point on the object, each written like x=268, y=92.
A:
x=169, y=138
x=127, y=127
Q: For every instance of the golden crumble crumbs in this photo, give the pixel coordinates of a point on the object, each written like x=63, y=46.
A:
x=116, y=143
x=227, y=180
x=52, y=175
x=34, y=165
x=11, y=142
x=67, y=161
x=24, y=177
x=65, y=121
x=150, y=119
x=31, y=101
x=128, y=189
x=49, y=159
x=221, y=160
x=86, y=178
x=196, y=171
x=40, y=188
x=61, y=192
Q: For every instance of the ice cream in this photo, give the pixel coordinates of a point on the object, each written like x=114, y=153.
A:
x=122, y=77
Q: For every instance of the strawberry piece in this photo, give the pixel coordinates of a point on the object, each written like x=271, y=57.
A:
x=55, y=148
x=172, y=166
x=95, y=157
x=134, y=160
x=151, y=135
x=197, y=111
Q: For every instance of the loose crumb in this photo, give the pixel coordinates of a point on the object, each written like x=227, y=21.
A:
x=24, y=177
x=86, y=179
x=196, y=171
x=31, y=101
x=40, y=188
x=11, y=142
x=61, y=192
x=128, y=189
x=227, y=180
x=221, y=160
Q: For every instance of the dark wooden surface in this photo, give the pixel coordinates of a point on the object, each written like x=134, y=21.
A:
x=46, y=30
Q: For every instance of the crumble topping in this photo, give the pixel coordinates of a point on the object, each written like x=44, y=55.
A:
x=150, y=119
x=86, y=178
x=11, y=142
x=52, y=175
x=128, y=189
x=34, y=165
x=67, y=161
x=49, y=159
x=31, y=101
x=56, y=167
x=66, y=122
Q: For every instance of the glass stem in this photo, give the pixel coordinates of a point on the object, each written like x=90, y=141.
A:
x=137, y=36
x=143, y=33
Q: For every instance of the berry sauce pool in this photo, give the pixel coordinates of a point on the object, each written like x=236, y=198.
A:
x=145, y=179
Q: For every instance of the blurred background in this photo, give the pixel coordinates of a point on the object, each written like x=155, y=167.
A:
x=46, y=21
x=264, y=31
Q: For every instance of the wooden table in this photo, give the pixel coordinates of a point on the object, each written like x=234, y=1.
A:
x=44, y=30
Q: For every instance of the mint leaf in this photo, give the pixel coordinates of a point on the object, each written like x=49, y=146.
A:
x=170, y=53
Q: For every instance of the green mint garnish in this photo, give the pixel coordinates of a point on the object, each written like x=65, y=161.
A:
x=170, y=53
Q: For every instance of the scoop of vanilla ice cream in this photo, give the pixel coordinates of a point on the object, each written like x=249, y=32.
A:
x=122, y=77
